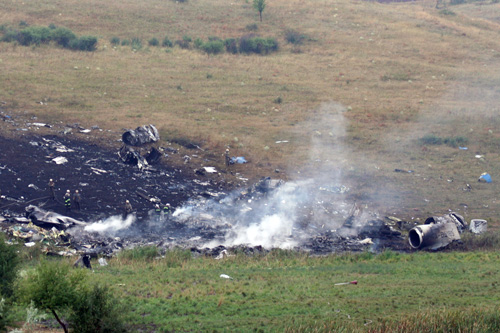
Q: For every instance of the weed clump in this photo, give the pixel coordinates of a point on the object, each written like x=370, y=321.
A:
x=454, y=142
x=115, y=41
x=259, y=45
x=167, y=42
x=153, y=42
x=146, y=253
x=294, y=37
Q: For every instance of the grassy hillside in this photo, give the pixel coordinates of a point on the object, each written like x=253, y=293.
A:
x=352, y=101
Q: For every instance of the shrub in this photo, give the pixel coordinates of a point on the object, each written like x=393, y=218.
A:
x=167, y=42
x=278, y=100
x=198, y=43
x=153, y=42
x=115, y=41
x=183, y=44
x=23, y=24
x=213, y=47
x=231, y=45
x=51, y=286
x=52, y=26
x=125, y=42
x=259, y=45
x=136, y=43
x=10, y=35
x=34, y=36
x=294, y=37
x=96, y=310
x=430, y=139
x=84, y=43
x=62, y=36
x=252, y=27
x=140, y=253
x=9, y=262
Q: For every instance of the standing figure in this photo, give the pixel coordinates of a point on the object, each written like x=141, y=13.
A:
x=228, y=159
x=166, y=210
x=158, y=212
x=67, y=200
x=127, y=209
x=76, y=200
x=51, y=189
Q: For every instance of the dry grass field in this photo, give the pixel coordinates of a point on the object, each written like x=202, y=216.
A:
x=368, y=82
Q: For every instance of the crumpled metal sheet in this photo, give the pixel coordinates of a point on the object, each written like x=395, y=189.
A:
x=141, y=135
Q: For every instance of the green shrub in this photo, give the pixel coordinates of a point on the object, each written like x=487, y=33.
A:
x=187, y=39
x=96, y=310
x=252, y=27
x=430, y=139
x=136, y=43
x=125, y=42
x=183, y=44
x=259, y=45
x=140, y=253
x=167, y=42
x=454, y=142
x=52, y=26
x=62, y=36
x=278, y=100
x=9, y=261
x=213, y=47
x=231, y=45
x=115, y=41
x=198, y=43
x=294, y=37
x=10, y=35
x=23, y=24
x=51, y=286
x=84, y=43
x=153, y=42
x=34, y=36
x=447, y=12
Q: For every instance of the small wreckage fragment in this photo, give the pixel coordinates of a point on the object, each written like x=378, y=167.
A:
x=437, y=232
x=130, y=156
x=141, y=135
x=45, y=218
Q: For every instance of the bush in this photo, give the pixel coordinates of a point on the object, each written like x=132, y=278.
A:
x=62, y=36
x=252, y=27
x=34, y=36
x=125, y=42
x=115, y=41
x=10, y=35
x=198, y=43
x=294, y=37
x=231, y=45
x=9, y=262
x=136, y=43
x=167, y=42
x=51, y=286
x=84, y=43
x=96, y=310
x=259, y=45
x=183, y=44
x=213, y=47
x=140, y=253
x=153, y=42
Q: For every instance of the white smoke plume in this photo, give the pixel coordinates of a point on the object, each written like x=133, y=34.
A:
x=111, y=225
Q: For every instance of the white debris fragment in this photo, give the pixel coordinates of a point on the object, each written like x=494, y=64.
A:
x=30, y=244
x=85, y=131
x=98, y=171
x=225, y=276
x=210, y=169
x=60, y=160
x=102, y=262
x=366, y=241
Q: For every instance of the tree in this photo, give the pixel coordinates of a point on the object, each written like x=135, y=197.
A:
x=259, y=5
x=9, y=262
x=52, y=286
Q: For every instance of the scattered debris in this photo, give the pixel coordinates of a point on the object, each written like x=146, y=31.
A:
x=433, y=236
x=60, y=160
x=485, y=177
x=346, y=283
x=225, y=276
x=237, y=160
x=44, y=218
x=478, y=226
x=102, y=262
x=404, y=171
x=141, y=135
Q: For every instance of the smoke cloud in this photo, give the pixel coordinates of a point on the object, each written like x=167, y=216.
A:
x=111, y=225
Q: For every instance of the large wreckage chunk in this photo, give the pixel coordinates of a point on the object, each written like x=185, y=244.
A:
x=141, y=135
x=130, y=156
x=437, y=232
x=48, y=219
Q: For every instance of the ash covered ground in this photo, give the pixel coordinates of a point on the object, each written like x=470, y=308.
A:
x=209, y=211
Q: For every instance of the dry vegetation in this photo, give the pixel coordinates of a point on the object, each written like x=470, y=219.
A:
x=368, y=82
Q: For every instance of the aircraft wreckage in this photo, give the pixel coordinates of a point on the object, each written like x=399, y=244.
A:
x=207, y=215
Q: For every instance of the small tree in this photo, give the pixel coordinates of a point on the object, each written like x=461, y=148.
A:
x=259, y=5
x=9, y=262
x=52, y=286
